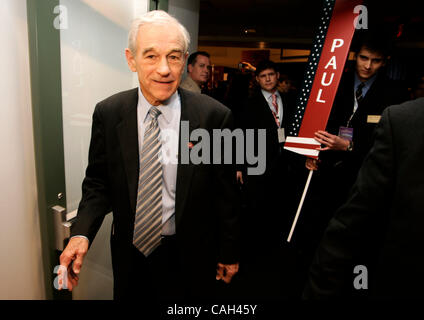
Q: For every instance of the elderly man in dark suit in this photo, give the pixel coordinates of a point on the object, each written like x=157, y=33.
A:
x=373, y=245
x=173, y=221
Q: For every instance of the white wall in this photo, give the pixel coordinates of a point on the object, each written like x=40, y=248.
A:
x=21, y=272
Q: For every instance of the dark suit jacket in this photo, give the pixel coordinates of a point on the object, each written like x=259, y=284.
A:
x=265, y=192
x=205, y=205
x=382, y=93
x=338, y=170
x=256, y=114
x=381, y=225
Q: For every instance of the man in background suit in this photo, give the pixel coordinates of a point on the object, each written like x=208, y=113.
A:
x=380, y=226
x=265, y=219
x=172, y=221
x=198, y=71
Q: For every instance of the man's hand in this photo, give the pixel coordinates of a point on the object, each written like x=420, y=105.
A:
x=312, y=164
x=226, y=272
x=239, y=177
x=331, y=141
x=71, y=261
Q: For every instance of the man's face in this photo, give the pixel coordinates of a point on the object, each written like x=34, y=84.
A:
x=284, y=86
x=200, y=71
x=159, y=61
x=268, y=79
x=368, y=63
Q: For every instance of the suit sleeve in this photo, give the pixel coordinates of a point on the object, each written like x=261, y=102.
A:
x=352, y=235
x=227, y=206
x=95, y=202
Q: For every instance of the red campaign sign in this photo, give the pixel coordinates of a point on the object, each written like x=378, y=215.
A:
x=327, y=78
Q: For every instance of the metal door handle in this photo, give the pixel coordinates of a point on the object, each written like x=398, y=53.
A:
x=62, y=226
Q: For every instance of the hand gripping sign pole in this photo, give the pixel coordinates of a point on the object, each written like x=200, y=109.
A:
x=322, y=77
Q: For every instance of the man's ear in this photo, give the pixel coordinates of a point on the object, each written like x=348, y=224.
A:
x=130, y=60
x=189, y=68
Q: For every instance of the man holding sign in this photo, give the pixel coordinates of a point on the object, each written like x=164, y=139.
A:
x=361, y=98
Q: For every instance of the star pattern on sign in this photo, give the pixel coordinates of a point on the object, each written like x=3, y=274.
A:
x=312, y=65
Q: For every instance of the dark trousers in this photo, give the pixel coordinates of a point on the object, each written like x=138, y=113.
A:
x=268, y=264
x=156, y=279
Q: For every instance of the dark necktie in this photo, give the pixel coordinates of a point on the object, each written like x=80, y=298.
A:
x=148, y=216
x=358, y=92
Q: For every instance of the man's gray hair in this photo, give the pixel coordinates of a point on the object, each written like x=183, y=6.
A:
x=155, y=17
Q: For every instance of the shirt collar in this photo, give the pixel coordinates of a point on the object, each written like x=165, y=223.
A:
x=165, y=108
x=367, y=84
x=268, y=94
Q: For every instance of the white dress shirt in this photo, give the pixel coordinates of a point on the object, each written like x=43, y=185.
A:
x=268, y=97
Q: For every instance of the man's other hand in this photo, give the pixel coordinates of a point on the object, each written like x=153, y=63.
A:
x=240, y=177
x=226, y=272
x=311, y=164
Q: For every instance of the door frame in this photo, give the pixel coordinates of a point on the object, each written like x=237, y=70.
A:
x=158, y=5
x=46, y=96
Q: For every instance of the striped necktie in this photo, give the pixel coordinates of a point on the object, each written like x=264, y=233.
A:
x=275, y=105
x=148, y=216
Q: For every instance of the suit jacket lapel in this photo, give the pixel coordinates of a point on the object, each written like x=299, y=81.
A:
x=184, y=171
x=127, y=131
x=286, y=112
x=348, y=99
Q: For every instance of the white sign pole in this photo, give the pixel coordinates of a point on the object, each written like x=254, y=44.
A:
x=300, y=205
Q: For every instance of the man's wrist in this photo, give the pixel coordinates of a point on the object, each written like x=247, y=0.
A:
x=80, y=236
x=350, y=146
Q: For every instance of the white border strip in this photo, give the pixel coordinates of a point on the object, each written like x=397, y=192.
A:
x=302, y=140
x=304, y=151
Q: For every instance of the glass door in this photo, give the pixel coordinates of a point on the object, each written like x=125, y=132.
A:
x=77, y=59
x=93, y=65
